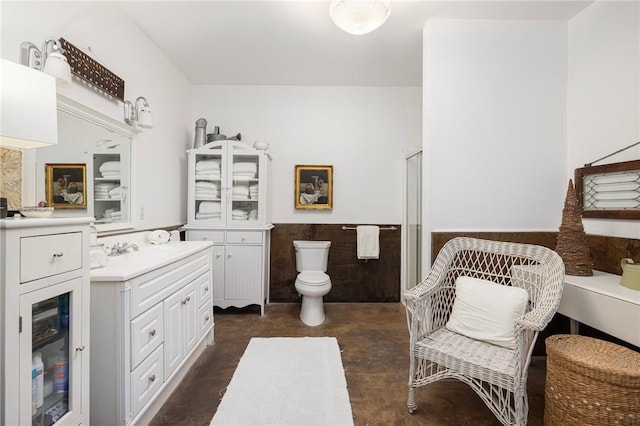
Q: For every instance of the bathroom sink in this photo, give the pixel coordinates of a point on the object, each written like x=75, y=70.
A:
x=146, y=258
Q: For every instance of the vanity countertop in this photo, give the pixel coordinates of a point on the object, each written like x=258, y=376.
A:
x=146, y=259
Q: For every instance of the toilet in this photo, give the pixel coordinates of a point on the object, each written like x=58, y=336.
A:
x=312, y=283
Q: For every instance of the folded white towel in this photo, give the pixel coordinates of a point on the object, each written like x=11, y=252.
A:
x=368, y=241
x=110, y=166
x=209, y=207
x=246, y=167
x=208, y=165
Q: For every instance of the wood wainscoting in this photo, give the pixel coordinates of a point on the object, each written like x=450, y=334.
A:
x=352, y=280
x=606, y=252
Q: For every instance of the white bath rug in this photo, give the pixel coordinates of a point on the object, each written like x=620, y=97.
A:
x=287, y=381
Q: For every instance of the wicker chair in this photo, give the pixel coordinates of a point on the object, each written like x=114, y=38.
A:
x=497, y=374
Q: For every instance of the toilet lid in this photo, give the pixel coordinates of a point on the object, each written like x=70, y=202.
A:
x=313, y=277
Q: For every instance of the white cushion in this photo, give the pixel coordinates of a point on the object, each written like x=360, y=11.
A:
x=484, y=310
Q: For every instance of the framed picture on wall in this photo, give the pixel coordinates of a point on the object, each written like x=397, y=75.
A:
x=66, y=186
x=314, y=187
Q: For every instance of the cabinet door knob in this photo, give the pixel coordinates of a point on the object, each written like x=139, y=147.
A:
x=152, y=378
x=58, y=254
x=188, y=298
x=230, y=254
x=80, y=348
x=183, y=301
x=206, y=288
x=152, y=332
x=243, y=238
x=206, y=318
x=206, y=237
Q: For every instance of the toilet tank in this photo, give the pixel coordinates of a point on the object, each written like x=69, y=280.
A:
x=311, y=255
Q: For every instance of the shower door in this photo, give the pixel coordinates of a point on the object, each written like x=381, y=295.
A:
x=412, y=220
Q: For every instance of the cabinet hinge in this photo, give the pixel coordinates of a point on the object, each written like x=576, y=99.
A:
x=20, y=325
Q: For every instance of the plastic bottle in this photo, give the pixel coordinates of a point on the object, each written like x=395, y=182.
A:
x=61, y=375
x=37, y=380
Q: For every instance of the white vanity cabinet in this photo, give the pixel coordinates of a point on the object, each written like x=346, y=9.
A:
x=45, y=310
x=152, y=318
x=228, y=204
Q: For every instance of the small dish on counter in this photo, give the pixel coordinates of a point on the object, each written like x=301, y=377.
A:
x=36, y=211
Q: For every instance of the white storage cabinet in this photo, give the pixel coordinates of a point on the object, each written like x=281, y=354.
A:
x=147, y=331
x=45, y=309
x=228, y=204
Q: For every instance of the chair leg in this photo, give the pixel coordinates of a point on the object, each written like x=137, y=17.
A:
x=411, y=402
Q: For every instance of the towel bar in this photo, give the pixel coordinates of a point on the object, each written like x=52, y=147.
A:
x=352, y=228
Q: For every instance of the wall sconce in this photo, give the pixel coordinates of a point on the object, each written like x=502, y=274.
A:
x=28, y=107
x=359, y=16
x=140, y=115
x=50, y=60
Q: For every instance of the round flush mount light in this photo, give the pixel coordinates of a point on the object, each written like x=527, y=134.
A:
x=359, y=16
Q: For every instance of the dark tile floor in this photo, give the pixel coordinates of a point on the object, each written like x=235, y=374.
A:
x=374, y=343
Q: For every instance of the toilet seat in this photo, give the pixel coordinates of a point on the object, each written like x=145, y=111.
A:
x=312, y=278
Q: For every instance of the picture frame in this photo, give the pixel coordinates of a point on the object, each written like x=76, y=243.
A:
x=313, y=187
x=609, y=191
x=66, y=186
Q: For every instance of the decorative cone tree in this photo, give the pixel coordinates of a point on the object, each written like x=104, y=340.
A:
x=571, y=245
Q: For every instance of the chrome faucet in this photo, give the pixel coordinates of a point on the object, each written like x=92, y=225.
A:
x=121, y=248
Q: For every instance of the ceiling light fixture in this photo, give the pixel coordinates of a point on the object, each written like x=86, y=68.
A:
x=50, y=60
x=359, y=16
x=28, y=107
x=141, y=115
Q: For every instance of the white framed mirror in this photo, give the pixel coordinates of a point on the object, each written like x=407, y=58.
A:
x=102, y=147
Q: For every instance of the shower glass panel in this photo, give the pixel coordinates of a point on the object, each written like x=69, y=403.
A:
x=413, y=219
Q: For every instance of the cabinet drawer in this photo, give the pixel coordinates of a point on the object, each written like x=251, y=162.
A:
x=147, y=332
x=204, y=288
x=217, y=237
x=244, y=237
x=151, y=288
x=205, y=316
x=146, y=380
x=47, y=255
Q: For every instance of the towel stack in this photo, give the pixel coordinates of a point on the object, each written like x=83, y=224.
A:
x=240, y=190
x=207, y=190
x=208, y=210
x=208, y=169
x=239, y=214
x=112, y=215
x=107, y=190
x=253, y=191
x=245, y=170
x=253, y=214
x=101, y=190
x=110, y=169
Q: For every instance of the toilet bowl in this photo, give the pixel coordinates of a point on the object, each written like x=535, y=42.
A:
x=312, y=283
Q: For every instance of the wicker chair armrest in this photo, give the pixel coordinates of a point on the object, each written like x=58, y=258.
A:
x=412, y=297
x=536, y=319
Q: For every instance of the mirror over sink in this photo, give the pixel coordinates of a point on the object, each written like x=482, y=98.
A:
x=100, y=147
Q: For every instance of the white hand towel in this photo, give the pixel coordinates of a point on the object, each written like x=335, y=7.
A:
x=368, y=241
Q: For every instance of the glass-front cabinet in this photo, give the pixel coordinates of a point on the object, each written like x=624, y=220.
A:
x=52, y=320
x=44, y=321
x=227, y=185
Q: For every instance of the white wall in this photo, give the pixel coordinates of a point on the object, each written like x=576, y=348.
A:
x=494, y=120
x=604, y=94
x=122, y=48
x=361, y=131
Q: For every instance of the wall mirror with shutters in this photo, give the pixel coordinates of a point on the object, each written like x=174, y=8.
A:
x=610, y=190
x=105, y=146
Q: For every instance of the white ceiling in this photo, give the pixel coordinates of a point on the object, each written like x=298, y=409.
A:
x=295, y=42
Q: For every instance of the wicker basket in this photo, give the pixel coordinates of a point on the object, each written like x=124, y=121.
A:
x=591, y=382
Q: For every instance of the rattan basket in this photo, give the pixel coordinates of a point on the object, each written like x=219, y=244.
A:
x=591, y=382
